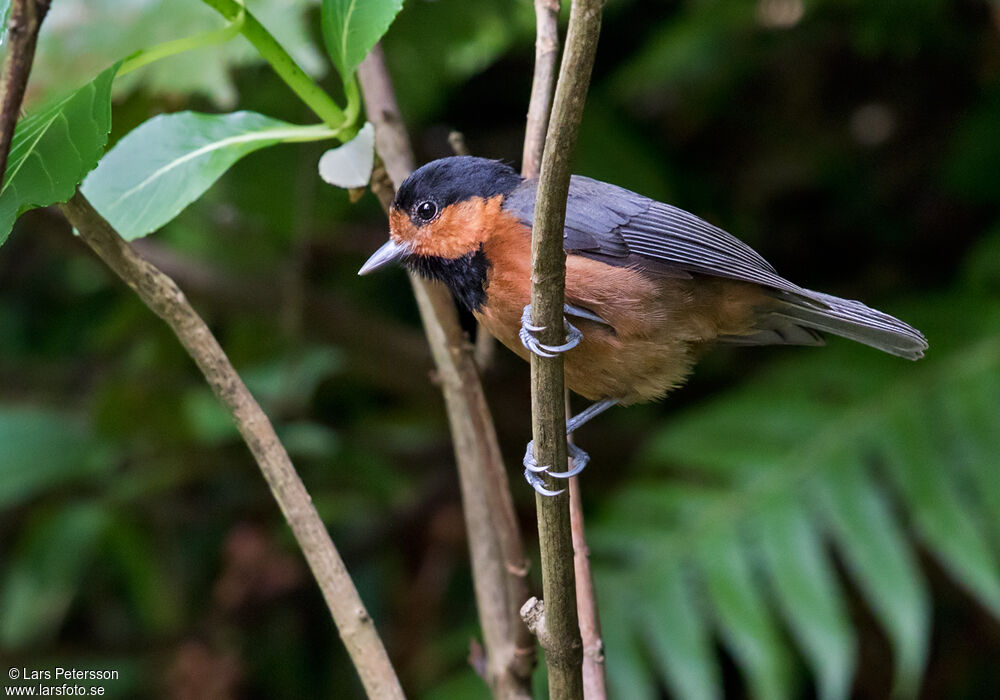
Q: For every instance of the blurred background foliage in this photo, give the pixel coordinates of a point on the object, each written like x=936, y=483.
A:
x=793, y=523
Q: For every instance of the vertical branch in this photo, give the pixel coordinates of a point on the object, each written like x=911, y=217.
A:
x=498, y=563
x=542, y=85
x=22, y=35
x=559, y=633
x=166, y=300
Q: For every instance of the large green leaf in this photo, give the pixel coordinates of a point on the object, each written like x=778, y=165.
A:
x=678, y=636
x=351, y=28
x=54, y=148
x=169, y=161
x=807, y=593
x=880, y=560
x=746, y=625
x=78, y=39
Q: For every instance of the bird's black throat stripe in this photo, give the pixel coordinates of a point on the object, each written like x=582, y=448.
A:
x=465, y=276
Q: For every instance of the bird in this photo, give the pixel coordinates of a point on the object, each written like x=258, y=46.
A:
x=649, y=287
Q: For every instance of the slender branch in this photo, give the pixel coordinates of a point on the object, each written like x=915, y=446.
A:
x=486, y=345
x=22, y=34
x=166, y=300
x=282, y=63
x=498, y=564
x=561, y=639
x=542, y=84
x=594, y=686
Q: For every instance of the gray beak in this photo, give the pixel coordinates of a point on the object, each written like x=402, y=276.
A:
x=389, y=253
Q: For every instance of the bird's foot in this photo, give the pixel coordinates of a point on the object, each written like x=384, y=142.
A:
x=533, y=344
x=532, y=471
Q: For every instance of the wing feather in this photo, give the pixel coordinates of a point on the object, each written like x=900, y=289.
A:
x=611, y=222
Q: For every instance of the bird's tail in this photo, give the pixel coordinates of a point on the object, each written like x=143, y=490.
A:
x=853, y=320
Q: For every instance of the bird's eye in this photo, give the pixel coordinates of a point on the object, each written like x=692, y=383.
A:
x=427, y=210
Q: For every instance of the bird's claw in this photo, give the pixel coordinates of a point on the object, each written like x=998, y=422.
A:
x=579, y=460
x=533, y=344
x=533, y=472
x=539, y=485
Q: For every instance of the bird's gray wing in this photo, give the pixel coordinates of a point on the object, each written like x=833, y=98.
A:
x=612, y=223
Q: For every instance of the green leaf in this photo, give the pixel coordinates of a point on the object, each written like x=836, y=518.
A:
x=77, y=44
x=169, y=161
x=626, y=677
x=677, y=635
x=42, y=450
x=943, y=516
x=881, y=561
x=45, y=572
x=54, y=148
x=809, y=596
x=744, y=619
x=352, y=27
x=974, y=409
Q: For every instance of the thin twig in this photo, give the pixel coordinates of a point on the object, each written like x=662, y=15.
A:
x=594, y=686
x=542, y=85
x=561, y=639
x=22, y=34
x=498, y=564
x=486, y=345
x=166, y=300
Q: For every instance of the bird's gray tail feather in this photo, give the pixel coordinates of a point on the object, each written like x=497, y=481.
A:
x=853, y=320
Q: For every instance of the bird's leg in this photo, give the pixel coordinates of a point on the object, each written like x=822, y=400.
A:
x=533, y=344
x=532, y=470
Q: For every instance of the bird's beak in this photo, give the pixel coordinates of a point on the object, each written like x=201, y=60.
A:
x=389, y=253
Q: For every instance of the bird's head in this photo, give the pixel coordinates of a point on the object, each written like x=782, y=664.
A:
x=443, y=213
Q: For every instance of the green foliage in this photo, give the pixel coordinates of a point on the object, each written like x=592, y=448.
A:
x=351, y=28
x=54, y=147
x=169, y=161
x=773, y=474
x=81, y=38
x=43, y=451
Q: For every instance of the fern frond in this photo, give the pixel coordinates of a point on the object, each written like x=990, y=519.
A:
x=845, y=450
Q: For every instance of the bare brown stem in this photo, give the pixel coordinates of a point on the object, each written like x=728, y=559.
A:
x=594, y=685
x=486, y=345
x=498, y=563
x=22, y=34
x=167, y=301
x=561, y=638
x=542, y=85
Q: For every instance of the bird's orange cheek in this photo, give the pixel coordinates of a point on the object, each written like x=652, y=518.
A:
x=401, y=229
x=458, y=230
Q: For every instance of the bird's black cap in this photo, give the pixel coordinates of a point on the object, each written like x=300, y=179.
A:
x=451, y=180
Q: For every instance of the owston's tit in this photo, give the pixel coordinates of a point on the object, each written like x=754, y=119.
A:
x=649, y=287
